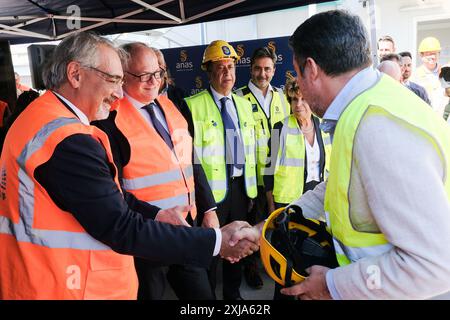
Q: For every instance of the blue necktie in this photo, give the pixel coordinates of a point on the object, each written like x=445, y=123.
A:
x=234, y=148
x=157, y=125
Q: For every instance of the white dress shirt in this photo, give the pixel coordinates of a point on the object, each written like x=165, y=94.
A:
x=83, y=118
x=264, y=101
x=313, y=160
x=234, y=116
x=158, y=112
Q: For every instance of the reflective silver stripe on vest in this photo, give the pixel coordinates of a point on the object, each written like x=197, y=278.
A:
x=292, y=162
x=217, y=184
x=250, y=150
x=292, y=131
x=51, y=238
x=356, y=253
x=239, y=92
x=214, y=150
x=262, y=142
x=167, y=203
x=23, y=231
x=188, y=171
x=152, y=180
x=250, y=181
x=41, y=136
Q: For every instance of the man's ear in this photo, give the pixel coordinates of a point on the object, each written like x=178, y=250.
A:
x=313, y=68
x=73, y=74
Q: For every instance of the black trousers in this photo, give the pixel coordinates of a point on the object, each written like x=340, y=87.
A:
x=188, y=282
x=258, y=213
x=233, y=207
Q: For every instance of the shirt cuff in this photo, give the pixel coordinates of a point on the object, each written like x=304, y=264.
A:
x=212, y=209
x=331, y=287
x=218, y=241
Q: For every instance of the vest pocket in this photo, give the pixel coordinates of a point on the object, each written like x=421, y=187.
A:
x=108, y=260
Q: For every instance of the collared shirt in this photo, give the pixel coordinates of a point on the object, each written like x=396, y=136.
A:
x=234, y=116
x=313, y=160
x=264, y=102
x=379, y=202
x=158, y=112
x=360, y=82
x=80, y=114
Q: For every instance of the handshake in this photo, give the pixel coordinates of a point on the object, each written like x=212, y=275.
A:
x=239, y=239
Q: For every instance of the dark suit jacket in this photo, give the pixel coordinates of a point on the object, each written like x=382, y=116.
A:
x=120, y=146
x=79, y=179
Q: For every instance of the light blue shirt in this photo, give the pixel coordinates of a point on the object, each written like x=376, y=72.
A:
x=234, y=116
x=359, y=83
x=158, y=112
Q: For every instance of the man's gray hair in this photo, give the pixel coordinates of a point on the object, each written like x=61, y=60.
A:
x=81, y=47
x=129, y=49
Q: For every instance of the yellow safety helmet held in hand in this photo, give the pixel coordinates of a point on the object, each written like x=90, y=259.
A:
x=290, y=244
x=429, y=44
x=218, y=50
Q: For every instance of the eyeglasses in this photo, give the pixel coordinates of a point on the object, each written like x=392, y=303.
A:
x=117, y=80
x=147, y=76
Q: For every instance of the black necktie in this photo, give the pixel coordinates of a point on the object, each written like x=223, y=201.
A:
x=157, y=125
x=234, y=149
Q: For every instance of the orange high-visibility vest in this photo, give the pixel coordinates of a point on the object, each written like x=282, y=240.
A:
x=155, y=173
x=44, y=252
x=3, y=108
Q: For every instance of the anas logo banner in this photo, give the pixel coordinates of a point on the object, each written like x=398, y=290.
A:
x=183, y=56
x=272, y=46
x=198, y=82
x=184, y=63
x=240, y=50
x=290, y=75
x=243, y=61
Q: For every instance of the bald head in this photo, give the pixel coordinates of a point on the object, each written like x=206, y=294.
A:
x=392, y=69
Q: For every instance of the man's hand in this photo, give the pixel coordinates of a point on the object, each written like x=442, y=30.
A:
x=210, y=220
x=173, y=215
x=314, y=287
x=239, y=240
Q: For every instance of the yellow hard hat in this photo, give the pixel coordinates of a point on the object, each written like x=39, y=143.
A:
x=290, y=244
x=429, y=44
x=218, y=50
